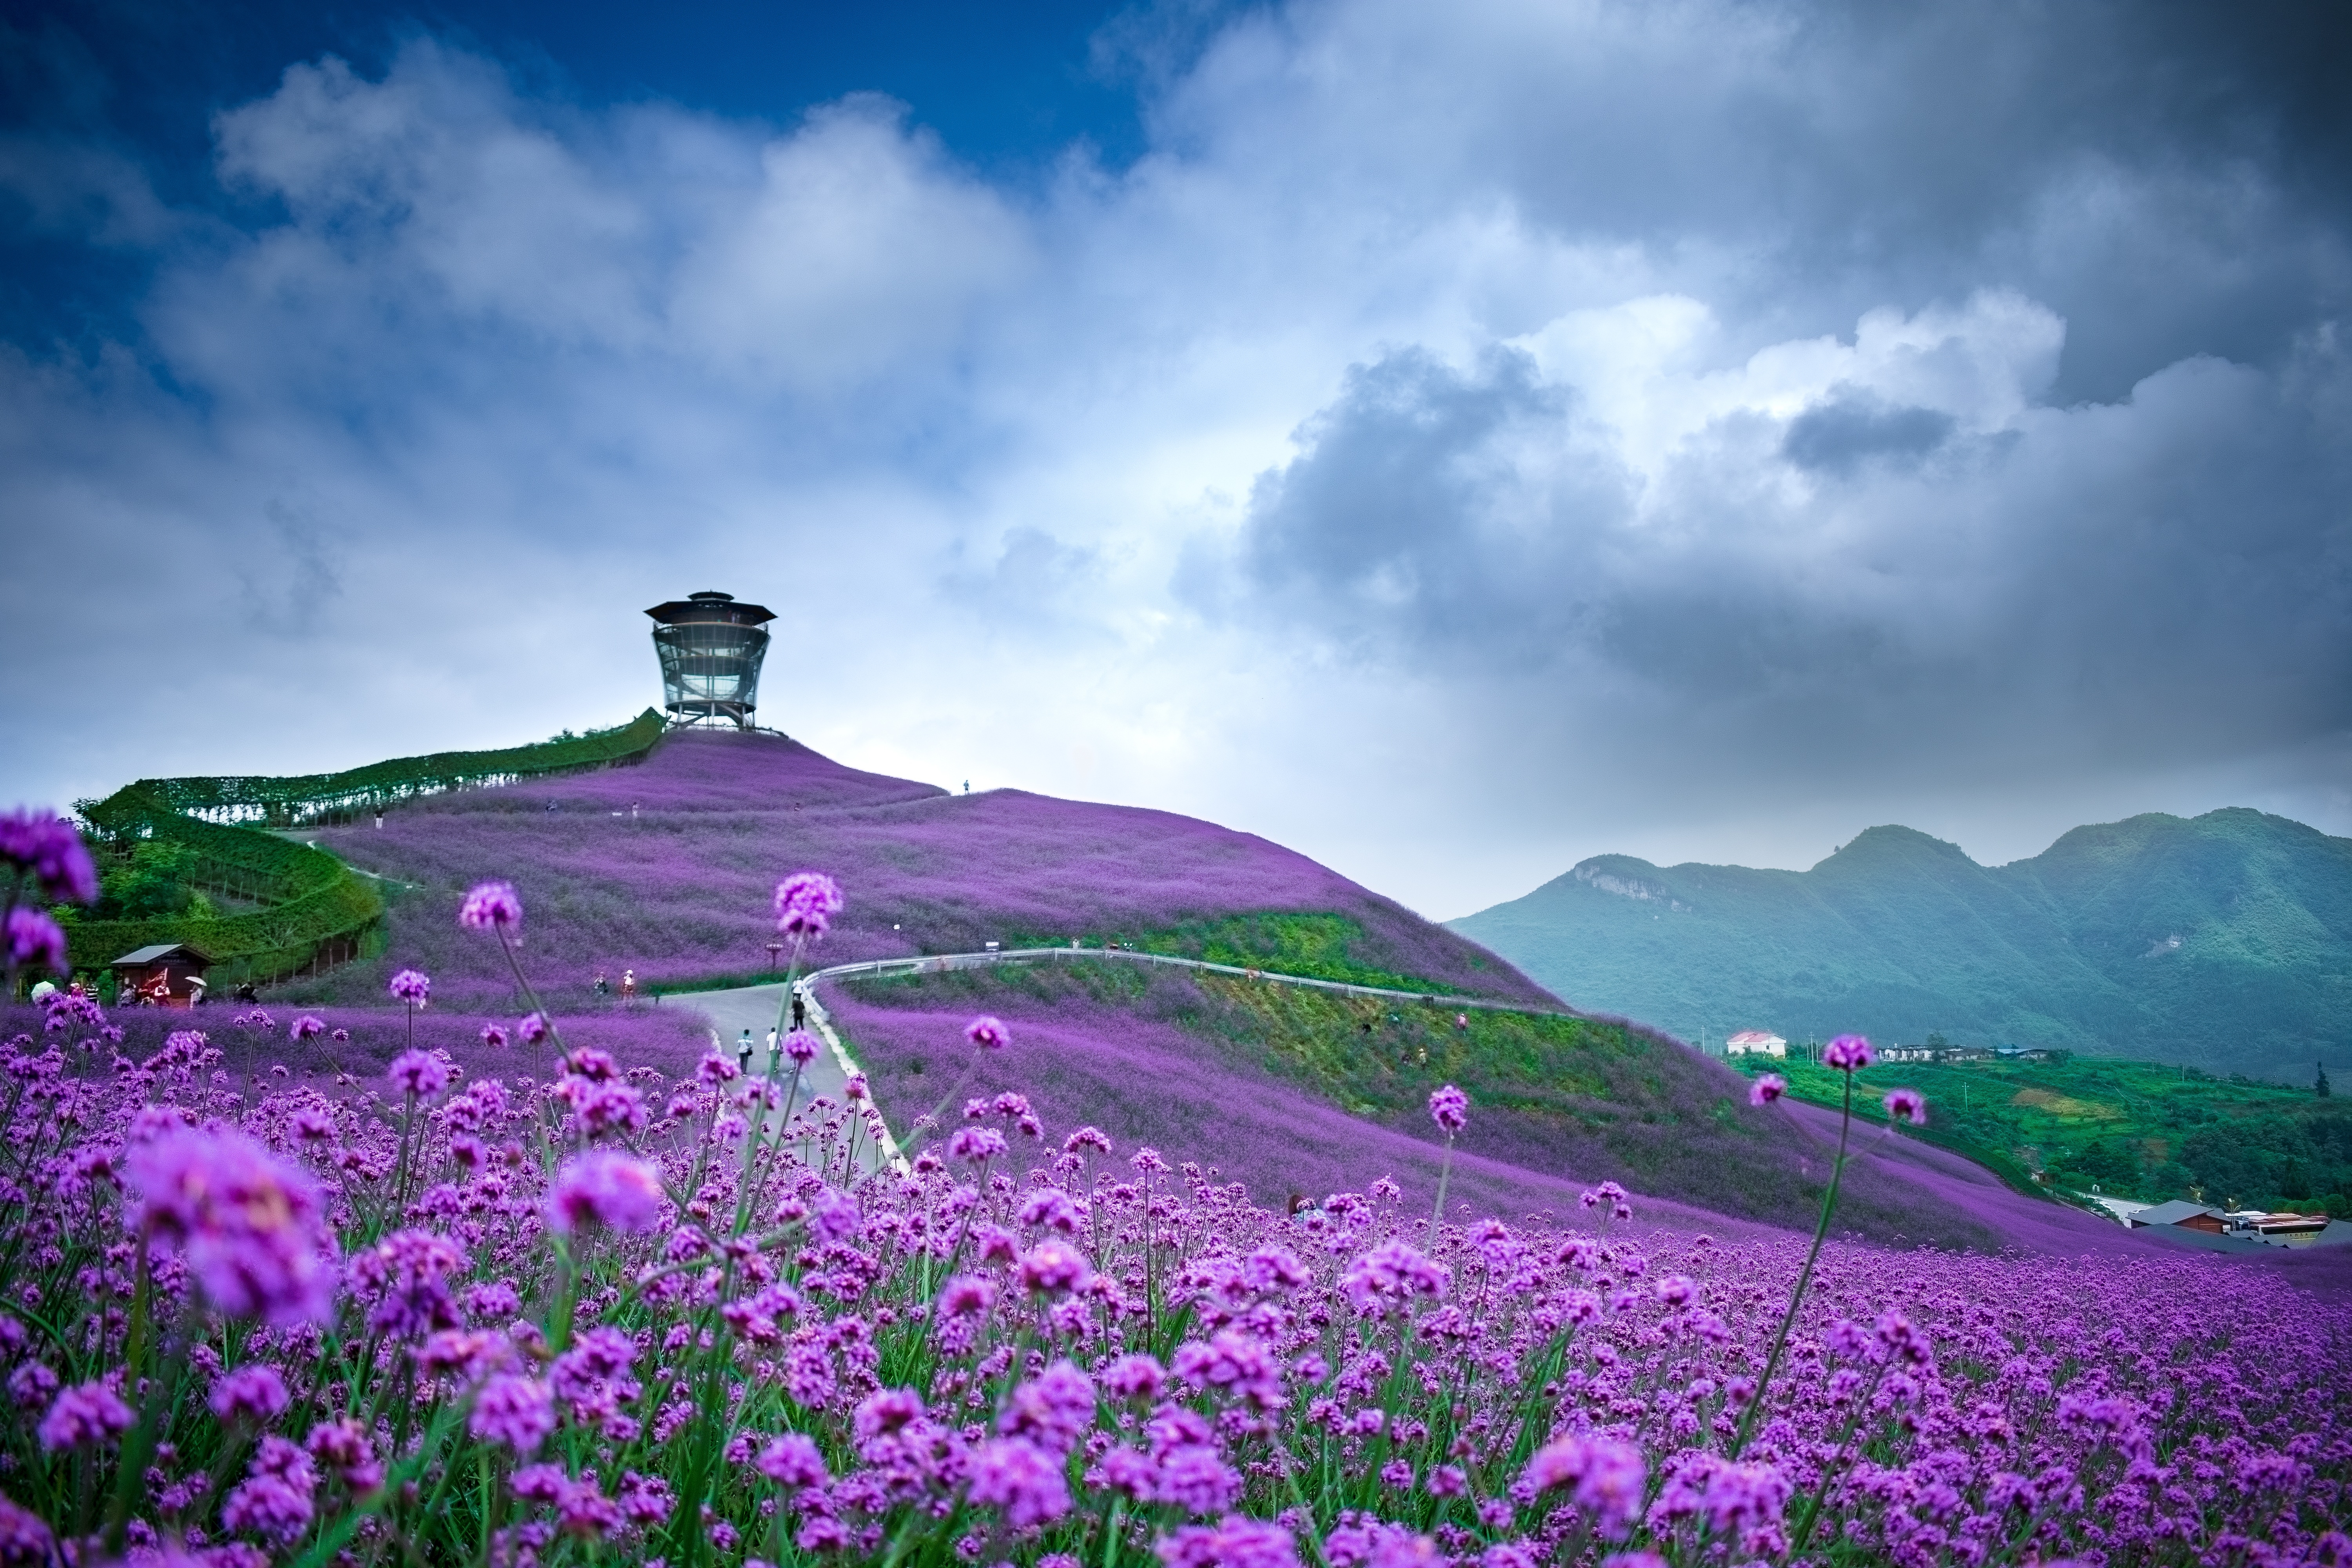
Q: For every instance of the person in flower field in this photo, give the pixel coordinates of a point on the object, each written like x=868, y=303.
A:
x=615, y=1317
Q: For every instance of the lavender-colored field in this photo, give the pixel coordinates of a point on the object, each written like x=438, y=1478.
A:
x=1131, y=1067
x=668, y=1038
x=667, y=869
x=1147, y=1083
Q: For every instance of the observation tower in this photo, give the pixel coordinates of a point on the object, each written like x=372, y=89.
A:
x=710, y=647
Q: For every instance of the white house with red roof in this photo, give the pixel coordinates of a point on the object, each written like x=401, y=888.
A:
x=1754, y=1043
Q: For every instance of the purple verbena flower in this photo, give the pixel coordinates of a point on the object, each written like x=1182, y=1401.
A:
x=1054, y=1267
x=1450, y=1108
x=306, y=1027
x=988, y=1034
x=1847, y=1053
x=254, y=1394
x=403, y=1280
x=532, y=1029
x=492, y=907
x=252, y=1228
x=1235, y=1542
x=1390, y=1275
x=806, y=902
x=35, y=940
x=801, y=1046
x=792, y=1460
x=494, y=1037
x=410, y=987
x=1055, y=1409
x=515, y=1410
x=1767, y=1087
x=84, y=1416
x=47, y=851
x=421, y=1073
x=1605, y=1477
x=1021, y=1479
x=1906, y=1105
x=604, y=1188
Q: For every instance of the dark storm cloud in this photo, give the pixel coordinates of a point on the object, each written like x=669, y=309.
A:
x=1849, y=430
x=2152, y=582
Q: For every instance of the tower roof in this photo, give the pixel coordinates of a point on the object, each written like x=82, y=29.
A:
x=711, y=607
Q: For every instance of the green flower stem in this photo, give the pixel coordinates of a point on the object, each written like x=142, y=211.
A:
x=1804, y=1277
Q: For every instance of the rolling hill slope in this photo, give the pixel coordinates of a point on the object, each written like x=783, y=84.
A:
x=666, y=867
x=2224, y=941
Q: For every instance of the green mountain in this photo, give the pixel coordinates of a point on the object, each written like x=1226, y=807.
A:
x=2224, y=941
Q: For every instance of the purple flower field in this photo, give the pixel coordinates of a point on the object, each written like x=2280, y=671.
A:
x=261, y=1309
x=624, y=1315
x=1138, y=1072
x=669, y=1037
x=680, y=889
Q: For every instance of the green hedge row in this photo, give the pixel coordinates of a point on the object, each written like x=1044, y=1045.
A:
x=285, y=801
x=319, y=909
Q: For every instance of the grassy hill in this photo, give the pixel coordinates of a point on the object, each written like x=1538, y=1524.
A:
x=2224, y=941
x=666, y=868
x=2131, y=1130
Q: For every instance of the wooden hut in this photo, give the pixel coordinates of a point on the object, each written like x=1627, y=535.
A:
x=169, y=974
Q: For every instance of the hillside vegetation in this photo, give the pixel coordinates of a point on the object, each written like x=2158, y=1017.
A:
x=1571, y=1100
x=667, y=869
x=2224, y=941
x=2131, y=1130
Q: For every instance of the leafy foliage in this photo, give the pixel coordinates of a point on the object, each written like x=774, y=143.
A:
x=309, y=797
x=2138, y=1130
x=313, y=906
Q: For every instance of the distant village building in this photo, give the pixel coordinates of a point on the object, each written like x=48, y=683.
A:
x=2244, y=1225
x=2180, y=1212
x=169, y=974
x=1899, y=1052
x=1754, y=1043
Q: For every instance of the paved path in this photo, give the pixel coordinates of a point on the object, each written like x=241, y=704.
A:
x=753, y=1007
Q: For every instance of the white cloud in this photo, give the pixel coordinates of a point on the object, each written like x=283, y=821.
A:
x=1467, y=440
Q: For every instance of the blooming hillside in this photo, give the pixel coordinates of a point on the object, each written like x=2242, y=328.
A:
x=664, y=868
x=625, y=1316
x=1290, y=1091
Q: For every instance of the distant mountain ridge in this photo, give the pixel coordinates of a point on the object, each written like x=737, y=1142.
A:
x=2224, y=941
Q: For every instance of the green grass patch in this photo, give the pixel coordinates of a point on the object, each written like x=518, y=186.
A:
x=2132, y=1130
x=1318, y=946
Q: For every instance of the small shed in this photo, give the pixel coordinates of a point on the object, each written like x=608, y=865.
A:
x=2179, y=1212
x=168, y=974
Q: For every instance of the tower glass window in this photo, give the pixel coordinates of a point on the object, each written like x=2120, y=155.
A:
x=710, y=647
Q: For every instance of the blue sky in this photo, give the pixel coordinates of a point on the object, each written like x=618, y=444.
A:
x=1451, y=440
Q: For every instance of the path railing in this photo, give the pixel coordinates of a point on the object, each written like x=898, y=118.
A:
x=947, y=962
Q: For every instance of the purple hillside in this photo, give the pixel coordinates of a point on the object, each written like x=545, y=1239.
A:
x=667, y=869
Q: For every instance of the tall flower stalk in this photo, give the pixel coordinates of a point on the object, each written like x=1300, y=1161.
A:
x=1847, y=1053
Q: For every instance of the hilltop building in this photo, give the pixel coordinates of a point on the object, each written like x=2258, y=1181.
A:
x=1754, y=1043
x=711, y=648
